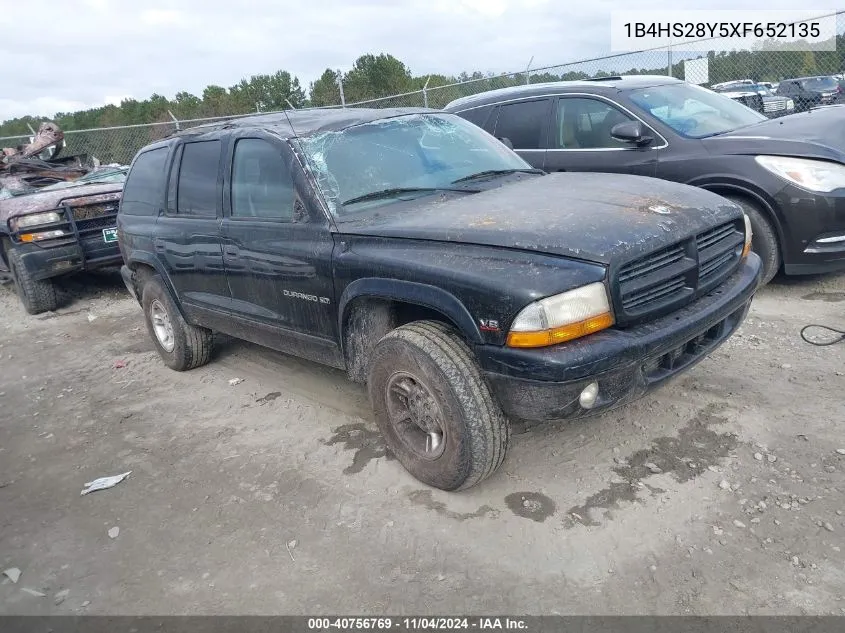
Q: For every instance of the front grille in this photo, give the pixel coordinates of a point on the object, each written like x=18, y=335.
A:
x=774, y=105
x=665, y=279
x=640, y=267
x=95, y=224
x=89, y=211
x=654, y=293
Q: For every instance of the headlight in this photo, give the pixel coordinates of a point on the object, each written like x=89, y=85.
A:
x=748, y=233
x=35, y=219
x=813, y=175
x=43, y=235
x=561, y=318
x=790, y=104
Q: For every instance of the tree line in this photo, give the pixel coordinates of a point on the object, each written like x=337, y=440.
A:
x=375, y=76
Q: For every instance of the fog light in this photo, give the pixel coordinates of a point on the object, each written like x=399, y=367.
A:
x=587, y=399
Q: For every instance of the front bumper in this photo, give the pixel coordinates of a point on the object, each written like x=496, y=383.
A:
x=46, y=262
x=814, y=230
x=545, y=384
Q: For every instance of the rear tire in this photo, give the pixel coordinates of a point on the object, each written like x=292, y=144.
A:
x=434, y=408
x=181, y=345
x=36, y=295
x=764, y=239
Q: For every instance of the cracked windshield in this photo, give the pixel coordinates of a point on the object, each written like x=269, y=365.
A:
x=408, y=156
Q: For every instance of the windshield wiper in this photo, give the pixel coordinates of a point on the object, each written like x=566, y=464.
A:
x=396, y=191
x=497, y=172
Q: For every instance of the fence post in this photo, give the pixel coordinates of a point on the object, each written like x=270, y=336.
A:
x=528, y=71
x=669, y=59
x=425, y=91
x=175, y=120
x=340, y=87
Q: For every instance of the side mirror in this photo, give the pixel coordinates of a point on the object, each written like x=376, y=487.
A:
x=631, y=132
x=507, y=142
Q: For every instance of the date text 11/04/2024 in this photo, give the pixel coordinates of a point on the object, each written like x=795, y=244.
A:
x=416, y=624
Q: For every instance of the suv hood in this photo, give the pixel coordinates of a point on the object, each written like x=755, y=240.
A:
x=814, y=134
x=601, y=218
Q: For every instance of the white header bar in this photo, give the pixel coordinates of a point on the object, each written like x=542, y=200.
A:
x=720, y=30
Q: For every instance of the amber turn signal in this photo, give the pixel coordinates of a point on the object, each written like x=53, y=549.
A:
x=561, y=334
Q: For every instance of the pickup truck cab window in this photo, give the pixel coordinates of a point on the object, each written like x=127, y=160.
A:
x=262, y=186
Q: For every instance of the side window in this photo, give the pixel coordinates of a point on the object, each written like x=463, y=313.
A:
x=262, y=186
x=523, y=123
x=143, y=188
x=196, y=192
x=478, y=116
x=586, y=124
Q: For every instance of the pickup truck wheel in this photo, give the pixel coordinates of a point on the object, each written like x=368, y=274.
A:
x=434, y=408
x=764, y=239
x=181, y=345
x=37, y=295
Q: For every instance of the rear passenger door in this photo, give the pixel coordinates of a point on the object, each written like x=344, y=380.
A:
x=524, y=124
x=187, y=236
x=277, y=246
x=580, y=139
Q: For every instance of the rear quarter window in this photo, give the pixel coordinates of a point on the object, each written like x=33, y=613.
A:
x=143, y=191
x=479, y=116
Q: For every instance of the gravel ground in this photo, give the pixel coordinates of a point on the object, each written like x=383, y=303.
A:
x=719, y=494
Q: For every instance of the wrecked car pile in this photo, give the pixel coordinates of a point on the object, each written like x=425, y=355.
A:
x=57, y=216
x=26, y=168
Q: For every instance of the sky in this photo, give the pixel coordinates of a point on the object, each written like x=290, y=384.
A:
x=75, y=54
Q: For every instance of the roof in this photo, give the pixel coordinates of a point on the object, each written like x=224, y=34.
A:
x=292, y=123
x=603, y=84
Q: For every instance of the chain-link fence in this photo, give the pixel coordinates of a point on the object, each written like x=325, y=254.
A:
x=763, y=68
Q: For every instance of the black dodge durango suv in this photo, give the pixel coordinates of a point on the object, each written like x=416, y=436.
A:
x=417, y=252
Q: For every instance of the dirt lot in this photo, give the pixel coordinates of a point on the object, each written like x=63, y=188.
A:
x=275, y=495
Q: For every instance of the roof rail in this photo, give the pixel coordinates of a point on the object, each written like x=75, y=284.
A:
x=611, y=78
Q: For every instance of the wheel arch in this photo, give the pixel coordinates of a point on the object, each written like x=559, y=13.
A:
x=370, y=308
x=139, y=262
x=749, y=192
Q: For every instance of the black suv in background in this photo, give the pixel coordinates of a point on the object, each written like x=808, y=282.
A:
x=788, y=173
x=810, y=92
x=418, y=253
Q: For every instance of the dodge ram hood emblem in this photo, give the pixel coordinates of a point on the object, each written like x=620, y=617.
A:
x=659, y=208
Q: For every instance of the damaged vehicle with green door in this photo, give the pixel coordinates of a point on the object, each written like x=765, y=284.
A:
x=58, y=230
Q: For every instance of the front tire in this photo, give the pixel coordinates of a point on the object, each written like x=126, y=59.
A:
x=181, y=345
x=764, y=239
x=434, y=408
x=36, y=295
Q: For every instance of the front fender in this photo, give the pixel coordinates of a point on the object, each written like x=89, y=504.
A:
x=411, y=292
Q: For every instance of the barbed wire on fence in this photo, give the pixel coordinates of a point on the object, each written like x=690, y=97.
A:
x=119, y=144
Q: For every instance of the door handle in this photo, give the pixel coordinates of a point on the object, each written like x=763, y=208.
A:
x=159, y=245
x=231, y=251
